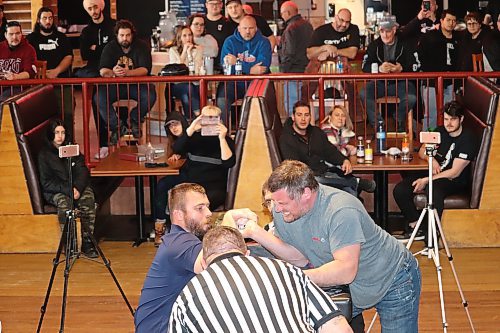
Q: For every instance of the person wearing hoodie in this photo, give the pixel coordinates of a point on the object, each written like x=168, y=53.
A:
x=392, y=54
x=17, y=58
x=175, y=127
x=54, y=181
x=208, y=159
x=248, y=46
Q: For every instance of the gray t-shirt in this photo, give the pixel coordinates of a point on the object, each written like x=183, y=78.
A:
x=390, y=51
x=338, y=220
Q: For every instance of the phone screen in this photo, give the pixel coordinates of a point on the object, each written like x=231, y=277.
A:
x=427, y=5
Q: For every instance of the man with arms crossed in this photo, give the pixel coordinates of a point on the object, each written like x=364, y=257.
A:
x=178, y=258
x=238, y=293
x=332, y=232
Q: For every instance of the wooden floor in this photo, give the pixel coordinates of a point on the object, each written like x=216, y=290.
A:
x=95, y=305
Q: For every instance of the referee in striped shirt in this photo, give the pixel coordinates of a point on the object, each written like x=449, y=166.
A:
x=239, y=293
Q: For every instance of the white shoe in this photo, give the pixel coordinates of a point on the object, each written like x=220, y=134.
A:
x=103, y=153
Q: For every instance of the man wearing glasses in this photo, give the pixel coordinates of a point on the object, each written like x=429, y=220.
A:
x=217, y=25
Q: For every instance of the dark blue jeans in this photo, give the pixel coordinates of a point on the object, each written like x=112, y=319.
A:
x=398, y=310
x=407, y=97
x=144, y=94
x=188, y=94
x=227, y=93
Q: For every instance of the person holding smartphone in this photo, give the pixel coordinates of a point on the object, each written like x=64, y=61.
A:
x=208, y=159
x=54, y=181
x=426, y=20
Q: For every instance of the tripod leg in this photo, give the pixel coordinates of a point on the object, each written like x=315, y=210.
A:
x=455, y=275
x=55, y=264
x=107, y=263
x=417, y=227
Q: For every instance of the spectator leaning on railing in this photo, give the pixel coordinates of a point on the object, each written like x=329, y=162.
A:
x=17, y=58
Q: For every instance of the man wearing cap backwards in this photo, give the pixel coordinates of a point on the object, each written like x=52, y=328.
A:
x=392, y=54
x=253, y=50
x=235, y=13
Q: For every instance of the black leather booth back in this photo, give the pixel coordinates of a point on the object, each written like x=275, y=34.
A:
x=480, y=100
x=31, y=113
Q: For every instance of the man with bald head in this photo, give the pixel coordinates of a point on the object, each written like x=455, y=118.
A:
x=292, y=49
x=339, y=38
x=253, y=50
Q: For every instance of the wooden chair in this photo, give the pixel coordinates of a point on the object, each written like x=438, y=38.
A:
x=41, y=69
x=477, y=62
x=400, y=133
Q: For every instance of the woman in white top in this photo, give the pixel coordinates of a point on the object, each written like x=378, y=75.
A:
x=197, y=24
x=184, y=51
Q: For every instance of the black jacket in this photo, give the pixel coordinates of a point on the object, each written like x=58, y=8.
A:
x=54, y=175
x=405, y=55
x=292, y=49
x=99, y=35
x=315, y=151
x=209, y=175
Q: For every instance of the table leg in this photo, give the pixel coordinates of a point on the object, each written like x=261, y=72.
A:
x=139, y=210
x=152, y=196
x=381, y=198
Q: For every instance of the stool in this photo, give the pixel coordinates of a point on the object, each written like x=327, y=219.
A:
x=131, y=104
x=400, y=133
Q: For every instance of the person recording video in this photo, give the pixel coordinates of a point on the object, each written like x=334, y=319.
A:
x=55, y=184
x=209, y=152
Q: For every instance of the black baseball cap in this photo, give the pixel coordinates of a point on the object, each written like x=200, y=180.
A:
x=229, y=1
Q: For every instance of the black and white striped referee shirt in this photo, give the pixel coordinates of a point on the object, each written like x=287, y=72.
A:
x=251, y=294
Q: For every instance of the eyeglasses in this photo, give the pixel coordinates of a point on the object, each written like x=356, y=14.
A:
x=472, y=23
x=199, y=24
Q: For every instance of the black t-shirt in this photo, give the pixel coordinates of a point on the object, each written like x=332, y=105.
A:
x=52, y=48
x=138, y=56
x=262, y=25
x=220, y=30
x=463, y=146
x=326, y=35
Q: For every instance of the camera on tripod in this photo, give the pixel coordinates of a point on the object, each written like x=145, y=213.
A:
x=69, y=151
x=430, y=138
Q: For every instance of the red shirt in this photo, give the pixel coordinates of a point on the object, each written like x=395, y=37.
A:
x=18, y=60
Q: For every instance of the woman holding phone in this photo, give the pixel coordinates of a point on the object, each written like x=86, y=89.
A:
x=208, y=159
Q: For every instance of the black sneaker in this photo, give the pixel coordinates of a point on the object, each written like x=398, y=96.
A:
x=88, y=249
x=367, y=185
x=405, y=237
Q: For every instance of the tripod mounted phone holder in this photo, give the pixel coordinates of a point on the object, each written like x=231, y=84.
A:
x=69, y=245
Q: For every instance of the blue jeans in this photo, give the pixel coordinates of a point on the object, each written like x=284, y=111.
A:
x=188, y=94
x=398, y=310
x=227, y=93
x=430, y=104
x=292, y=94
x=144, y=94
x=407, y=97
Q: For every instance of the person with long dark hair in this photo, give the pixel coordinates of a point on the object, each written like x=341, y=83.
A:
x=54, y=180
x=3, y=24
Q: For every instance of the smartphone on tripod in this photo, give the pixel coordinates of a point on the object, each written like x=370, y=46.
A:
x=69, y=151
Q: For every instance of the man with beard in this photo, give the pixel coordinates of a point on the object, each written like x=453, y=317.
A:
x=53, y=47
x=178, y=258
x=94, y=37
x=125, y=56
x=332, y=233
x=17, y=58
x=450, y=168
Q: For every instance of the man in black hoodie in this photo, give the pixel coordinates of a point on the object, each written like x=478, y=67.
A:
x=392, y=54
x=94, y=37
x=54, y=180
